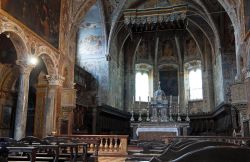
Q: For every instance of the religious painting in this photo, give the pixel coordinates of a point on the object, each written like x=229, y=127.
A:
x=167, y=49
x=6, y=116
x=41, y=16
x=142, y=50
x=191, y=47
x=91, y=35
x=169, y=82
x=247, y=15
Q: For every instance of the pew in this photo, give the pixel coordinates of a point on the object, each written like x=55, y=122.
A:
x=10, y=150
x=216, y=154
x=45, y=150
x=171, y=154
x=69, y=147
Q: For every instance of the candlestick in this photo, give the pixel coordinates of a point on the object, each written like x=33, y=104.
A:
x=170, y=102
x=132, y=113
x=187, y=117
x=139, y=119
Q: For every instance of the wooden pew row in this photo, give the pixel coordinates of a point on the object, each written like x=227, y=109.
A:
x=229, y=139
x=59, y=149
x=171, y=154
x=216, y=154
x=183, y=146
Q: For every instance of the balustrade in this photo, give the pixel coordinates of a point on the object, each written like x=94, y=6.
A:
x=104, y=144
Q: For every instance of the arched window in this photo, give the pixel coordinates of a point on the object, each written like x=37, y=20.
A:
x=143, y=82
x=193, y=80
x=195, y=84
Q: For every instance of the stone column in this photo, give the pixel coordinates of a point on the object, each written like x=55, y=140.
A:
x=22, y=101
x=53, y=104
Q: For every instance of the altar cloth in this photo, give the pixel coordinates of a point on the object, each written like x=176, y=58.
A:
x=147, y=129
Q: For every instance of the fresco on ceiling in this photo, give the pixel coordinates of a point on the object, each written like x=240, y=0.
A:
x=247, y=15
x=90, y=36
x=41, y=16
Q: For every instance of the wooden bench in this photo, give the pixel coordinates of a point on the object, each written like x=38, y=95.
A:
x=46, y=151
x=171, y=154
x=10, y=148
x=68, y=147
x=217, y=154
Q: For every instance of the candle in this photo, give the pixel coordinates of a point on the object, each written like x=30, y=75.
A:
x=178, y=99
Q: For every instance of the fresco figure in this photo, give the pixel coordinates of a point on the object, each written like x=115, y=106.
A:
x=41, y=16
x=167, y=49
x=191, y=47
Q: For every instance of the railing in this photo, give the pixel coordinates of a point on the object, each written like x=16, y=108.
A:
x=229, y=139
x=104, y=144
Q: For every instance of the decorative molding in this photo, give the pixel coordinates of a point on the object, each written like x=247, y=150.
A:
x=25, y=67
x=55, y=80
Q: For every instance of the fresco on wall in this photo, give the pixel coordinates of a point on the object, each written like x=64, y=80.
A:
x=91, y=49
x=90, y=36
x=167, y=49
x=191, y=48
x=41, y=16
x=247, y=14
x=143, y=50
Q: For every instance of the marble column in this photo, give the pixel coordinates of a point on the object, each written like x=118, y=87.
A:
x=53, y=103
x=22, y=101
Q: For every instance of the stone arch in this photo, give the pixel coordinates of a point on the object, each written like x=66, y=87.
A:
x=49, y=59
x=18, y=38
x=81, y=13
x=9, y=74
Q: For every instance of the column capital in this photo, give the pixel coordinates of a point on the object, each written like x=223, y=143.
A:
x=55, y=79
x=25, y=67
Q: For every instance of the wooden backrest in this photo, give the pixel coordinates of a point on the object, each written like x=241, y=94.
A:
x=217, y=154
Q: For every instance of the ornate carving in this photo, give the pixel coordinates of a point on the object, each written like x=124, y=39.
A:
x=25, y=67
x=55, y=79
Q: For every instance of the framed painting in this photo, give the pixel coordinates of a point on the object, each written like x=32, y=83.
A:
x=41, y=16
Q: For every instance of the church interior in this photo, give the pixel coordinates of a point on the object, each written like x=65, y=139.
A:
x=125, y=80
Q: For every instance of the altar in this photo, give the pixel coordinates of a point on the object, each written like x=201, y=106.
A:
x=147, y=131
x=160, y=120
